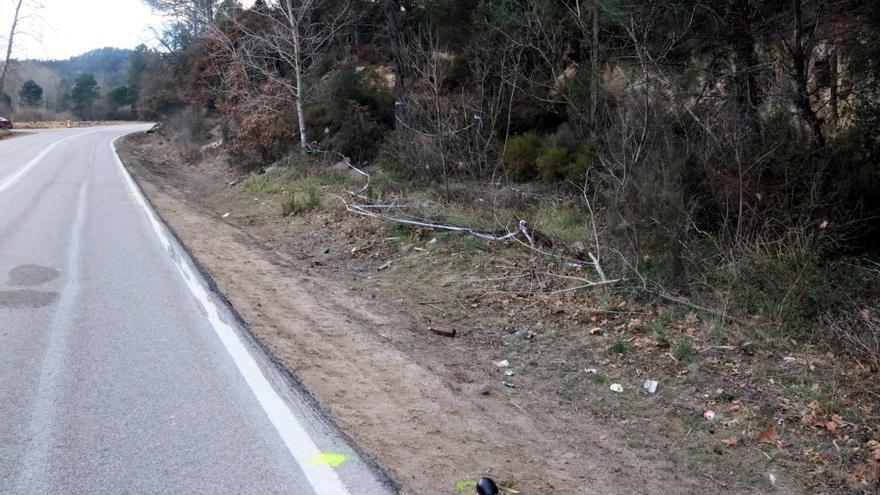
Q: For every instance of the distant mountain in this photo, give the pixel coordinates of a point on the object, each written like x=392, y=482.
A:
x=109, y=65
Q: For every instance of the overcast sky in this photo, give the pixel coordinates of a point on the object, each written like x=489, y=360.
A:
x=63, y=28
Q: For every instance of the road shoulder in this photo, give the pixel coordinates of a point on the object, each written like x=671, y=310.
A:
x=421, y=405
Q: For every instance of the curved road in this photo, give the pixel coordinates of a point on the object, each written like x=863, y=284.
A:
x=121, y=371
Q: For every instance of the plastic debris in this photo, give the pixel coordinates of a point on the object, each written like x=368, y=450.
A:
x=433, y=241
x=616, y=387
x=226, y=215
x=709, y=415
x=327, y=458
x=508, y=384
x=590, y=371
x=651, y=386
x=486, y=487
x=503, y=363
x=509, y=372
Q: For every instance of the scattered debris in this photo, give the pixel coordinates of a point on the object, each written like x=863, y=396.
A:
x=433, y=240
x=651, y=386
x=385, y=265
x=226, y=215
x=616, y=387
x=508, y=384
x=445, y=332
x=709, y=414
x=503, y=363
x=509, y=372
x=590, y=371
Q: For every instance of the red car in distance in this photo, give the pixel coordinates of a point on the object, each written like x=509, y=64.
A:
x=5, y=123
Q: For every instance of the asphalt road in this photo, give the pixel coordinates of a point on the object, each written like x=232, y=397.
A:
x=121, y=371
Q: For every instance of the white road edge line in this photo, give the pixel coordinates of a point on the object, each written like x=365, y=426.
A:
x=322, y=477
x=31, y=164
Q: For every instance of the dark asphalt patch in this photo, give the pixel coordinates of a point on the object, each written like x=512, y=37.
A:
x=26, y=299
x=28, y=275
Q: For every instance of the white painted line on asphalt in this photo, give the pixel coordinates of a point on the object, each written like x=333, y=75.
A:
x=31, y=164
x=322, y=477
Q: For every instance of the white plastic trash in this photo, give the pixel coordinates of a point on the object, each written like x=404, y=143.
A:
x=651, y=386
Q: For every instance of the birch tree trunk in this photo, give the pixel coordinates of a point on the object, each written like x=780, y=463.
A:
x=297, y=69
x=594, y=63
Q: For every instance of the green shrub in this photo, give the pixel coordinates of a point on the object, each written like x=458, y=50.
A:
x=585, y=159
x=552, y=162
x=351, y=114
x=520, y=156
x=684, y=350
x=619, y=346
x=296, y=205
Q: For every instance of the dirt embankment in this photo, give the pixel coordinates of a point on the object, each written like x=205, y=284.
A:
x=351, y=318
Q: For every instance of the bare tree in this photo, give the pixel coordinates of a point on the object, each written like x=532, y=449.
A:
x=9, y=43
x=195, y=15
x=289, y=37
x=799, y=51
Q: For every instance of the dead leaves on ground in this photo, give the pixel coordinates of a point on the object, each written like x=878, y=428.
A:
x=817, y=418
x=768, y=435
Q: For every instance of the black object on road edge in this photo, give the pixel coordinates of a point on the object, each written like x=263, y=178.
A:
x=486, y=487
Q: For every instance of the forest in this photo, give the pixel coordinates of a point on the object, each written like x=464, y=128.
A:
x=90, y=86
x=721, y=152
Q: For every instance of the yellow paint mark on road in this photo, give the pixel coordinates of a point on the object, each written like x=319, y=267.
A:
x=333, y=460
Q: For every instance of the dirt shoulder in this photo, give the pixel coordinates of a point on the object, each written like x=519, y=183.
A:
x=351, y=318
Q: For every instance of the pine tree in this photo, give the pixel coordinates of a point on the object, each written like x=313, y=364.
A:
x=83, y=95
x=31, y=94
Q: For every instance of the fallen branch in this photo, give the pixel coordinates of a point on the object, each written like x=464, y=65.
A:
x=364, y=210
x=685, y=302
